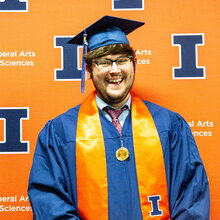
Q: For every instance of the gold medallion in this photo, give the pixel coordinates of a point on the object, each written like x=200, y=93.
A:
x=122, y=154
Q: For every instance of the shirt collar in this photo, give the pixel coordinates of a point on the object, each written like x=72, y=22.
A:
x=101, y=104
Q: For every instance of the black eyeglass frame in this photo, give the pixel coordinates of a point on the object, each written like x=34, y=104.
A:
x=113, y=61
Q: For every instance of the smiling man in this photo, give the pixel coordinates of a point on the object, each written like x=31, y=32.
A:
x=113, y=74
x=115, y=156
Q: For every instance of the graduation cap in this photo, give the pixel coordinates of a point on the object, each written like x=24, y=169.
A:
x=106, y=31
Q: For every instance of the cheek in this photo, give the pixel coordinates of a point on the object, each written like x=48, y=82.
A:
x=98, y=79
x=130, y=70
x=96, y=73
x=130, y=74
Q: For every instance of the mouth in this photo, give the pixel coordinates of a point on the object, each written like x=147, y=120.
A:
x=115, y=81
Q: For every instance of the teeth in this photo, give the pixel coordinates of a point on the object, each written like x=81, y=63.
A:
x=115, y=80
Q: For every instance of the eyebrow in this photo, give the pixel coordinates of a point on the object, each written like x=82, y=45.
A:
x=110, y=59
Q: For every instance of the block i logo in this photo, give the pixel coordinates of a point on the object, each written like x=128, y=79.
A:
x=70, y=60
x=127, y=5
x=12, y=142
x=188, y=56
x=13, y=5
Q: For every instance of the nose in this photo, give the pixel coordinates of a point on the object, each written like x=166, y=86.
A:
x=114, y=68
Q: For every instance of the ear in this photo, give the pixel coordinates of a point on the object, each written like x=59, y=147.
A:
x=135, y=60
x=88, y=74
x=135, y=63
x=88, y=71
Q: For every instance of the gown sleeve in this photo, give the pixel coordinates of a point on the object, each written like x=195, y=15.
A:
x=49, y=189
x=189, y=188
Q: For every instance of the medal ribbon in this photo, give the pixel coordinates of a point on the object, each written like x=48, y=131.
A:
x=91, y=170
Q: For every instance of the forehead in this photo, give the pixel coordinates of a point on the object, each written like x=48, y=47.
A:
x=112, y=56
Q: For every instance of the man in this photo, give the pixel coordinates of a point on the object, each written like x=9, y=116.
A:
x=115, y=156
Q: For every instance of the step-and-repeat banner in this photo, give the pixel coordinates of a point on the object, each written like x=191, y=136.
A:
x=177, y=67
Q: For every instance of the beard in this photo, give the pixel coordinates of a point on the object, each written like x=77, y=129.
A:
x=113, y=97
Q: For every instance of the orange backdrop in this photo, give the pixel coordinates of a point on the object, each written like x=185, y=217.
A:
x=29, y=84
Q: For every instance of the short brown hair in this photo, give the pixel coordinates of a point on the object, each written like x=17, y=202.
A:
x=107, y=50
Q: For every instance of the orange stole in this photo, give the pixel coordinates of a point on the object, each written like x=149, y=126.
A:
x=149, y=160
x=91, y=170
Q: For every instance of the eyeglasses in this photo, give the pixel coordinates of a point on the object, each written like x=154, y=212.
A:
x=106, y=64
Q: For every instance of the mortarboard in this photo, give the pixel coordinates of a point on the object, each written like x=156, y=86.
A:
x=106, y=31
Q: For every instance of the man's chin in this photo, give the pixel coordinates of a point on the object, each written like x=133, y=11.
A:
x=116, y=96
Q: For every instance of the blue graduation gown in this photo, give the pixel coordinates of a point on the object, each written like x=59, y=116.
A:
x=52, y=183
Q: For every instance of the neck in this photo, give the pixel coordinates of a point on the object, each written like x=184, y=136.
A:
x=118, y=105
